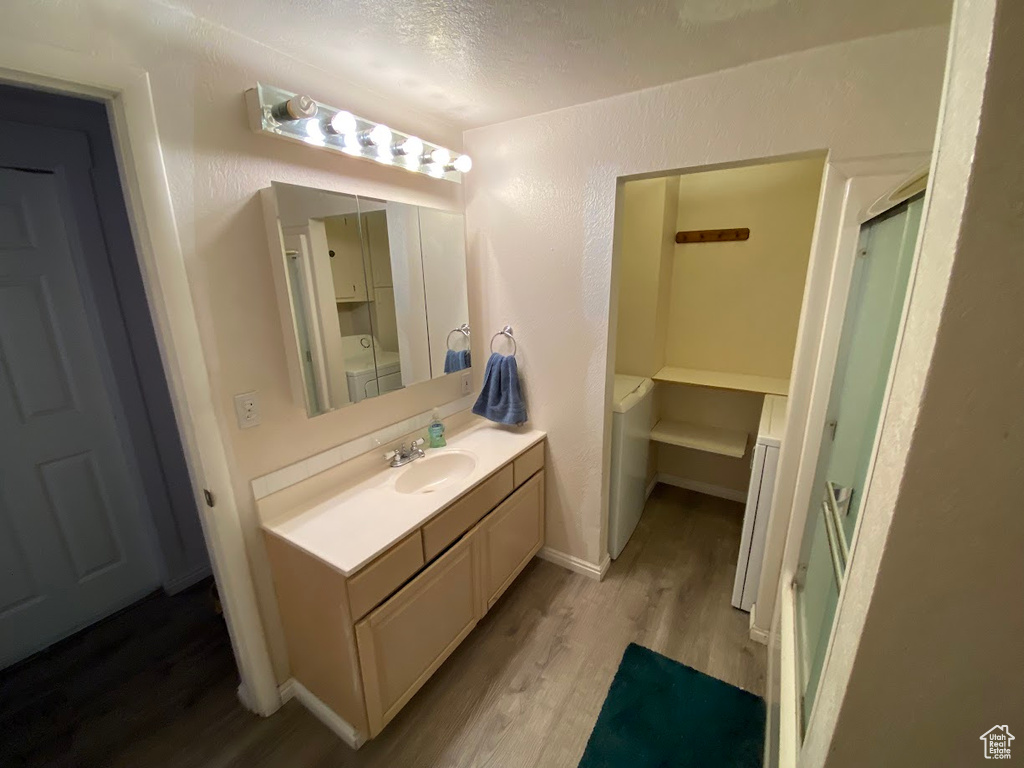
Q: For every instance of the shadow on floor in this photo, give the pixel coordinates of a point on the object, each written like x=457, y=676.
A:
x=122, y=681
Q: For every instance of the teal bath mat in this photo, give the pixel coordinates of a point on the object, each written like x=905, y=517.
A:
x=662, y=714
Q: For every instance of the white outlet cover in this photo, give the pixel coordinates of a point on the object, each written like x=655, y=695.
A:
x=247, y=409
x=467, y=382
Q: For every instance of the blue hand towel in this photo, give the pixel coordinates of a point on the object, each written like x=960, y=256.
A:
x=456, y=360
x=501, y=399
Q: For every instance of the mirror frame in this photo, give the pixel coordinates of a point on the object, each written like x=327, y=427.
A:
x=300, y=388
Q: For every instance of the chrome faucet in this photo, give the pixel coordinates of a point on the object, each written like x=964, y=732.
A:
x=402, y=455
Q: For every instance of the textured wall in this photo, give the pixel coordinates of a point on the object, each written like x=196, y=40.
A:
x=645, y=275
x=215, y=167
x=736, y=306
x=541, y=202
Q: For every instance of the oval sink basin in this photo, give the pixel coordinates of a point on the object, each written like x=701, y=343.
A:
x=435, y=472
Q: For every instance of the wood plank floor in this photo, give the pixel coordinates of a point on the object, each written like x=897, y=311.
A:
x=524, y=689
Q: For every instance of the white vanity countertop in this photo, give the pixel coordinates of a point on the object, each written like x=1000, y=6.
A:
x=348, y=530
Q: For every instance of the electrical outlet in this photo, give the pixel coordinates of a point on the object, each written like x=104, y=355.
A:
x=247, y=410
x=467, y=382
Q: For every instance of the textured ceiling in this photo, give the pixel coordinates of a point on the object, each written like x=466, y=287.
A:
x=478, y=62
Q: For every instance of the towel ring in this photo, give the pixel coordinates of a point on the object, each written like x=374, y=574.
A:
x=463, y=329
x=506, y=331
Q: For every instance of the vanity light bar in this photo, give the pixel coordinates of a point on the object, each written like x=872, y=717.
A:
x=298, y=117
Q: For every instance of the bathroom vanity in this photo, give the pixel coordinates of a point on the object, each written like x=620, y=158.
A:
x=379, y=582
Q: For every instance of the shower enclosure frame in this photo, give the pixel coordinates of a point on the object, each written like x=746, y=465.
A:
x=861, y=184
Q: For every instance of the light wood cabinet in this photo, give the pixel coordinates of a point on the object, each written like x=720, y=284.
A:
x=466, y=512
x=364, y=644
x=528, y=463
x=318, y=629
x=385, y=574
x=510, y=536
x=408, y=637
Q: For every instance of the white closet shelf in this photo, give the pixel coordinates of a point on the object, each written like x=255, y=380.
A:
x=722, y=380
x=727, y=442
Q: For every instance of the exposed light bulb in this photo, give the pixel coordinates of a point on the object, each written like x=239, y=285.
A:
x=298, y=116
x=351, y=145
x=380, y=136
x=342, y=123
x=410, y=147
x=314, y=131
x=441, y=156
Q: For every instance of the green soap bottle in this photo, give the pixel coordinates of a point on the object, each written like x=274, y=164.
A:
x=436, y=433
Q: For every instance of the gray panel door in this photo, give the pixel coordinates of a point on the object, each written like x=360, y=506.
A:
x=73, y=545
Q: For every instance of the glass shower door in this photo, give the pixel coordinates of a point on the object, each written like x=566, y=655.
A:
x=867, y=344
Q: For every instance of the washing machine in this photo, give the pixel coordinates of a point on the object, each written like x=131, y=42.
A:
x=367, y=374
x=632, y=404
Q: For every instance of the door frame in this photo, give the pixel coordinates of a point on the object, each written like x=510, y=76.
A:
x=127, y=93
x=862, y=183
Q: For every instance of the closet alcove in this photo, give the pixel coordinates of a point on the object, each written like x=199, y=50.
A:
x=713, y=320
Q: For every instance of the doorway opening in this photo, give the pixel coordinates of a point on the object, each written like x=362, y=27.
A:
x=96, y=501
x=710, y=268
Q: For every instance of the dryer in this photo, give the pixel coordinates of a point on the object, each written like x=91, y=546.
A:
x=632, y=406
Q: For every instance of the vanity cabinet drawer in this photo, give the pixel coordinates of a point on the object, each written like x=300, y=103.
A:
x=528, y=464
x=510, y=536
x=384, y=575
x=466, y=512
x=406, y=639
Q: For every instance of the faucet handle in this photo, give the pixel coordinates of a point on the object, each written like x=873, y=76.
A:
x=417, y=442
x=390, y=455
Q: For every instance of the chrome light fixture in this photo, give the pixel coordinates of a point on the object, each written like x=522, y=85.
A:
x=298, y=117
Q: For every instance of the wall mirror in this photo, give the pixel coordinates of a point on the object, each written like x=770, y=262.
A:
x=372, y=293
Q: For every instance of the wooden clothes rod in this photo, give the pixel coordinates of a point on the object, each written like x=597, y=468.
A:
x=712, y=235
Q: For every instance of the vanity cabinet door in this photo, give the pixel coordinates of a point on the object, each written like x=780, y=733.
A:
x=407, y=638
x=510, y=536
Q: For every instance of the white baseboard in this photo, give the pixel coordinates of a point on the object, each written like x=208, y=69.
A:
x=701, y=487
x=576, y=564
x=757, y=634
x=293, y=689
x=650, y=488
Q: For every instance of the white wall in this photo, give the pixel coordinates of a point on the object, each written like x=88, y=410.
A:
x=215, y=167
x=929, y=643
x=541, y=203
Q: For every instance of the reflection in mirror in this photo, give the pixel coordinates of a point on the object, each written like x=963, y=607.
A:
x=370, y=291
x=443, y=247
